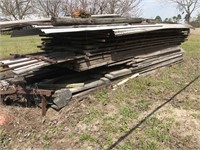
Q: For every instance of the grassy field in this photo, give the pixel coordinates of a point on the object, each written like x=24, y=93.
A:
x=138, y=115
x=18, y=45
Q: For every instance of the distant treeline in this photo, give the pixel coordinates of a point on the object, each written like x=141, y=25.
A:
x=178, y=19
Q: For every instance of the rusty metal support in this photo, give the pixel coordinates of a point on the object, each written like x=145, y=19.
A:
x=22, y=91
x=44, y=106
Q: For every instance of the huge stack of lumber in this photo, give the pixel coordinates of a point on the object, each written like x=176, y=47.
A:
x=105, y=48
x=80, y=54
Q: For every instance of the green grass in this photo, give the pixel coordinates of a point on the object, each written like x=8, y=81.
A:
x=196, y=115
x=192, y=46
x=92, y=114
x=138, y=96
x=158, y=129
x=4, y=139
x=127, y=112
x=126, y=147
x=143, y=104
x=102, y=96
x=87, y=137
x=18, y=45
x=154, y=136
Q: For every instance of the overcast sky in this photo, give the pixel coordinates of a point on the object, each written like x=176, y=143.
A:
x=153, y=8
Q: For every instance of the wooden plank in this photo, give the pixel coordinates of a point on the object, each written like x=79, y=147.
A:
x=153, y=65
x=90, y=85
x=119, y=73
x=22, y=23
x=30, y=68
x=167, y=63
x=92, y=21
x=125, y=81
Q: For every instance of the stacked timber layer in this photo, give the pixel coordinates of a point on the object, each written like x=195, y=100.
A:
x=101, y=48
x=77, y=59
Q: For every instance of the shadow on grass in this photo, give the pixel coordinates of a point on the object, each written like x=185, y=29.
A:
x=149, y=115
x=25, y=102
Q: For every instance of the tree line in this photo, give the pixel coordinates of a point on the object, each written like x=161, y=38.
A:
x=174, y=19
x=195, y=22
x=21, y=9
x=186, y=7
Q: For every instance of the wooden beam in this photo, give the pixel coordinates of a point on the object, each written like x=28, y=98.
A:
x=92, y=21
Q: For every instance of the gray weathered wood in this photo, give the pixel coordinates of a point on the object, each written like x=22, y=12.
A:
x=118, y=73
x=92, y=21
x=90, y=85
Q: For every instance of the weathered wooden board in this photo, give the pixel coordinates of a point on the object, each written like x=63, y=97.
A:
x=92, y=21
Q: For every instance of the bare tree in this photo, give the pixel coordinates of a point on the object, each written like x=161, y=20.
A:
x=84, y=3
x=122, y=7
x=55, y=8
x=49, y=8
x=130, y=7
x=69, y=6
x=16, y=9
x=98, y=6
x=186, y=6
x=92, y=6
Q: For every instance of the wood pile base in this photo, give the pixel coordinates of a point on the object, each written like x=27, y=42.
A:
x=75, y=63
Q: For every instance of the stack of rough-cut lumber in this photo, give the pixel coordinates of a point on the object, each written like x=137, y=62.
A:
x=103, y=48
x=83, y=57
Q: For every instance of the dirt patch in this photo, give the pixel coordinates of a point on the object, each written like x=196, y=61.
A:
x=5, y=116
x=185, y=129
x=195, y=31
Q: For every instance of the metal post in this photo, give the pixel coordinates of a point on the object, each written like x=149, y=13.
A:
x=44, y=106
